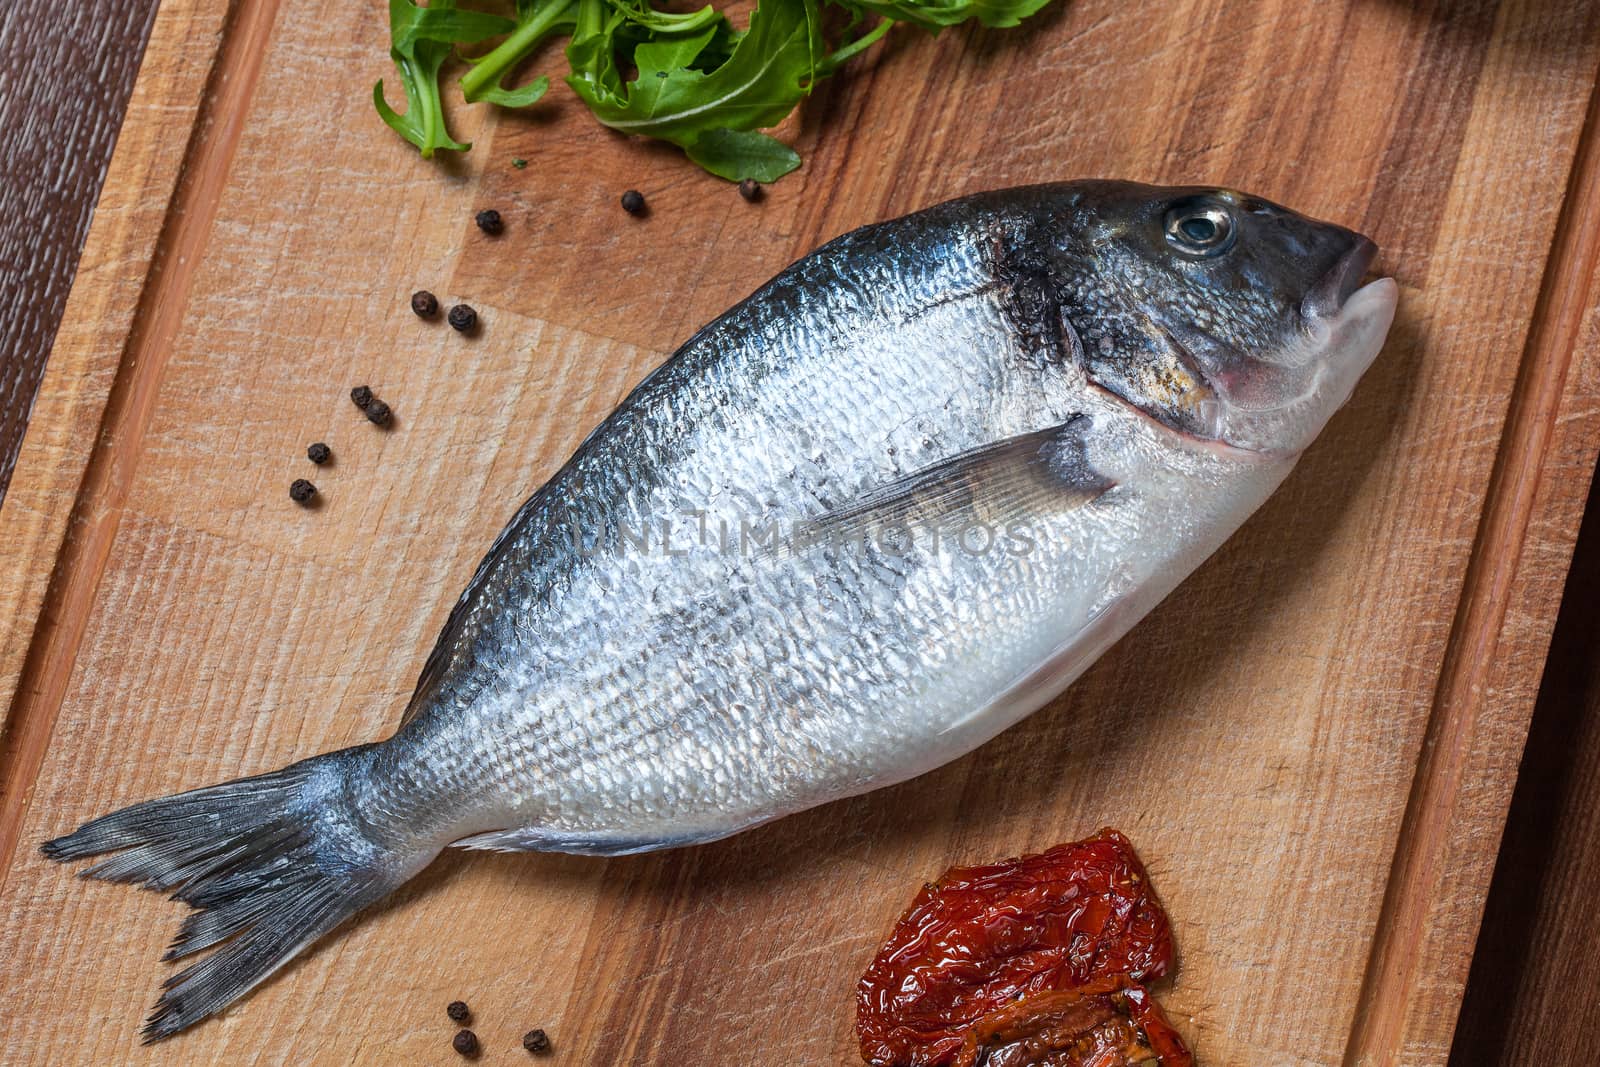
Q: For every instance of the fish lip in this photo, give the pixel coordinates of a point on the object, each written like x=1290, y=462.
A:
x=1328, y=296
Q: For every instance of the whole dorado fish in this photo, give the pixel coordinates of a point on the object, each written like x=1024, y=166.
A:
x=864, y=521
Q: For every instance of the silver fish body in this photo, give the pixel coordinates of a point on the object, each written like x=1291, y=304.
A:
x=870, y=517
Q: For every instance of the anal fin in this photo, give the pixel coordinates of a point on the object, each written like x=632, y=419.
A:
x=541, y=839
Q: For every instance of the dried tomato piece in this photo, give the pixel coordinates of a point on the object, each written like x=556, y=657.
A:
x=982, y=938
x=1110, y=1023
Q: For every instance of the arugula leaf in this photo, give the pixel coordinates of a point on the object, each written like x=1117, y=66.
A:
x=740, y=154
x=839, y=56
x=935, y=15
x=420, y=39
x=641, y=14
x=698, y=82
x=592, y=51
x=537, y=20
x=772, y=66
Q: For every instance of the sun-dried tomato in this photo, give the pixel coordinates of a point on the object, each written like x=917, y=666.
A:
x=1109, y=1023
x=1037, y=956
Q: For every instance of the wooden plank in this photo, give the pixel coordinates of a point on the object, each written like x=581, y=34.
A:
x=59, y=117
x=1536, y=946
x=121, y=256
x=1486, y=693
x=123, y=411
x=1258, y=736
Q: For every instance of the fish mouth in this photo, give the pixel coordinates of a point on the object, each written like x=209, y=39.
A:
x=1329, y=295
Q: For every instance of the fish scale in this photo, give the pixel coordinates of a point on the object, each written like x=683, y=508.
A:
x=1007, y=427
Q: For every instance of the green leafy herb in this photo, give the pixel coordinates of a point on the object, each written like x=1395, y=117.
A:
x=420, y=39
x=740, y=154
x=537, y=20
x=688, y=78
x=935, y=15
x=676, y=98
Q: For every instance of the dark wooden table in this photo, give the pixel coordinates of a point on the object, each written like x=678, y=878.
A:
x=66, y=69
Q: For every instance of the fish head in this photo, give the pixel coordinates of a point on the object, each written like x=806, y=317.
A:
x=1219, y=314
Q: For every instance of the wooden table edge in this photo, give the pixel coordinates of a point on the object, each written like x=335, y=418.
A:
x=1546, y=420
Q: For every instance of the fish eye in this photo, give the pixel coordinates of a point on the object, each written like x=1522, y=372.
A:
x=1199, y=228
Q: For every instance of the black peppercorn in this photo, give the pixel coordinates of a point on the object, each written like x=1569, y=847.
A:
x=301, y=491
x=463, y=318
x=361, y=396
x=378, y=413
x=489, y=221
x=458, y=1011
x=319, y=453
x=465, y=1042
x=633, y=202
x=425, y=304
x=750, y=189
x=536, y=1041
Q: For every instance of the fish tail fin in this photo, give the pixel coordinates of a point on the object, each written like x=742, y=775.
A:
x=270, y=863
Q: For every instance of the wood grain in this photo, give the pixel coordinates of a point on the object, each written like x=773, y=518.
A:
x=1537, y=946
x=120, y=261
x=59, y=116
x=102, y=496
x=1259, y=736
x=1485, y=695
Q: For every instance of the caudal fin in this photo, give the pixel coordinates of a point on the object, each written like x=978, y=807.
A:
x=270, y=863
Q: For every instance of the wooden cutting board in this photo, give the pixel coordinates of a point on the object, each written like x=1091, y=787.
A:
x=1312, y=742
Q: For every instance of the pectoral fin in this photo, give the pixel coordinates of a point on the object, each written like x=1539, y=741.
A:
x=1012, y=480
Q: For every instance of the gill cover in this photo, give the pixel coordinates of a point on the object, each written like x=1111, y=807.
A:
x=1218, y=314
